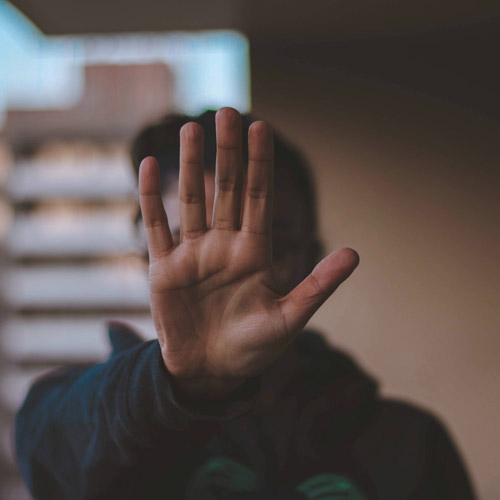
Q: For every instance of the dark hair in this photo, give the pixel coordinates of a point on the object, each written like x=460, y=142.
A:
x=161, y=140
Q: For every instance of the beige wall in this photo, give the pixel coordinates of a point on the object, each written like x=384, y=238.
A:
x=413, y=185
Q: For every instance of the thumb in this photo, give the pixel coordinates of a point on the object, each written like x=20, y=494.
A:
x=307, y=297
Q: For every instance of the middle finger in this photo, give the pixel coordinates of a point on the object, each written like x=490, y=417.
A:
x=228, y=171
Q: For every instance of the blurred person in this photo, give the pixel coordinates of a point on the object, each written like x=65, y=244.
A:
x=234, y=400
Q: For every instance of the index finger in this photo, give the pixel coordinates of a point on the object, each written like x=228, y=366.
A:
x=153, y=212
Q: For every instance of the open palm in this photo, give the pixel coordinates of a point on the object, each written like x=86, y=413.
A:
x=218, y=311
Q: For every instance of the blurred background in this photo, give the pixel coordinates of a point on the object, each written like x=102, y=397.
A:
x=395, y=104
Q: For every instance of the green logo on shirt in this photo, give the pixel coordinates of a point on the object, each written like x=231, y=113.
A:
x=222, y=474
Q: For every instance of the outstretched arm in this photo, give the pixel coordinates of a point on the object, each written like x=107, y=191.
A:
x=114, y=429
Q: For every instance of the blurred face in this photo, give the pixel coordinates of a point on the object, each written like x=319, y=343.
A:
x=294, y=249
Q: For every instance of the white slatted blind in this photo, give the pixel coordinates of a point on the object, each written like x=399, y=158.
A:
x=69, y=263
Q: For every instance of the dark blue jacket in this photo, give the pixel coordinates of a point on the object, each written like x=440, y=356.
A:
x=115, y=430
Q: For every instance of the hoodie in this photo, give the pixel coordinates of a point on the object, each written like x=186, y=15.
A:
x=116, y=430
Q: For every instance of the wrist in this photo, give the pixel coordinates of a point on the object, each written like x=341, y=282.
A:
x=195, y=391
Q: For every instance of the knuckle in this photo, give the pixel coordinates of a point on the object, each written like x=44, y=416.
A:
x=192, y=234
x=262, y=161
x=317, y=289
x=224, y=224
x=252, y=229
x=191, y=199
x=258, y=193
x=154, y=223
x=228, y=184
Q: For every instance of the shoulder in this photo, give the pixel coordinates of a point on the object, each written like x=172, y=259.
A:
x=410, y=425
x=396, y=409
x=424, y=448
x=352, y=387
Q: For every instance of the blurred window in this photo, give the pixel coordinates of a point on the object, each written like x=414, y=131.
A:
x=68, y=109
x=211, y=69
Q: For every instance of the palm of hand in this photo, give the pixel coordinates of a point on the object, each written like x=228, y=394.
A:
x=218, y=310
x=223, y=302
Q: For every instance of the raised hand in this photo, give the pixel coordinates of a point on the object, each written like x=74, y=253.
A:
x=216, y=305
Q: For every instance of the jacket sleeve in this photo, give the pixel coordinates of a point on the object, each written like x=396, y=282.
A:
x=106, y=430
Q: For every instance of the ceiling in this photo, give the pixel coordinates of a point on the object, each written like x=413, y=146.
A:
x=260, y=19
x=446, y=49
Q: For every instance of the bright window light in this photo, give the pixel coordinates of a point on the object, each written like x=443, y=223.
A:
x=210, y=69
